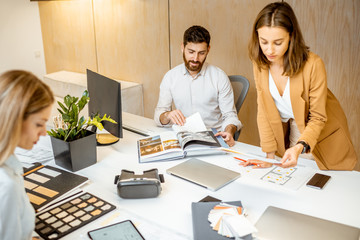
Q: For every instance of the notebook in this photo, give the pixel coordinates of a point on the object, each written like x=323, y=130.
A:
x=204, y=174
x=45, y=185
x=281, y=224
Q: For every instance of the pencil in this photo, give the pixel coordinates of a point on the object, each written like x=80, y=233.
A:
x=240, y=159
x=35, y=168
x=232, y=151
x=253, y=164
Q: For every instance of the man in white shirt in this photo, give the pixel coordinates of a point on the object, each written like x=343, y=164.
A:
x=196, y=86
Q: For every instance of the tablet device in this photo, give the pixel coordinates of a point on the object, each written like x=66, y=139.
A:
x=120, y=230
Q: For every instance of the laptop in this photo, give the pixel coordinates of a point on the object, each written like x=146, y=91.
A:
x=140, y=125
x=281, y=224
x=204, y=174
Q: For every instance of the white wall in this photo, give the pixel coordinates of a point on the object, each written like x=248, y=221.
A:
x=21, y=45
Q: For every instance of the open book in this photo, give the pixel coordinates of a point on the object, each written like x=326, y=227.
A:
x=192, y=139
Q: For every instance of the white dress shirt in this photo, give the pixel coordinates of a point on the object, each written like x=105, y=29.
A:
x=283, y=103
x=209, y=93
x=17, y=216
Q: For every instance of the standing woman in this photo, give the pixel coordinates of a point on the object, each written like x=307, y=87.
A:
x=297, y=113
x=25, y=106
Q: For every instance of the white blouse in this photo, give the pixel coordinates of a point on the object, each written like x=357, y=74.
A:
x=17, y=216
x=283, y=103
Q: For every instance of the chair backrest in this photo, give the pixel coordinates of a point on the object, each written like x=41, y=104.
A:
x=240, y=87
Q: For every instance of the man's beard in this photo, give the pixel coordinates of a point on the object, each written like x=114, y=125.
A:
x=196, y=68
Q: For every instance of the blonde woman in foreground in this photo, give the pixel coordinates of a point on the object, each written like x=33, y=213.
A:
x=25, y=106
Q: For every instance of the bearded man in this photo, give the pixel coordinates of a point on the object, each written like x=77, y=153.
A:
x=196, y=86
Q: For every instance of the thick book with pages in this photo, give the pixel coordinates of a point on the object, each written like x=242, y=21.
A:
x=192, y=139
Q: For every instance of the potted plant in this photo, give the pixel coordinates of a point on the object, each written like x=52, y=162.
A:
x=74, y=146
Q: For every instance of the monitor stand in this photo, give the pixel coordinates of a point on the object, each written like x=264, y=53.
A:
x=105, y=139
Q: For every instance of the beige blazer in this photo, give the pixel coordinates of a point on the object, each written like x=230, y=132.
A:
x=318, y=115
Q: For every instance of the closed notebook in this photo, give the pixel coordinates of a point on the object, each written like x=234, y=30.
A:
x=45, y=185
x=201, y=225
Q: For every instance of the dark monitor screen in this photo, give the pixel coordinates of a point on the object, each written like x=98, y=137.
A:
x=105, y=98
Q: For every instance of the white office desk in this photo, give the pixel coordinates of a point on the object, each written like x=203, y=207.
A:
x=338, y=201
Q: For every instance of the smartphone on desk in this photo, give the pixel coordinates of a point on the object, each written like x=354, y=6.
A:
x=318, y=181
x=125, y=230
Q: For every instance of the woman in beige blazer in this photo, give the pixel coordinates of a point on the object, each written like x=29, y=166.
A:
x=297, y=113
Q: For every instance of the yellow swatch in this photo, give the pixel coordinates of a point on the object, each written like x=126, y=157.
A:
x=46, y=191
x=35, y=199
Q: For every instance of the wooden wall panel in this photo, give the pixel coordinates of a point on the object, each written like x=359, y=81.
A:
x=68, y=35
x=331, y=29
x=132, y=43
x=230, y=26
x=140, y=40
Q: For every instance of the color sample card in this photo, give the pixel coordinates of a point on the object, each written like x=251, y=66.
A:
x=45, y=184
x=228, y=220
x=70, y=215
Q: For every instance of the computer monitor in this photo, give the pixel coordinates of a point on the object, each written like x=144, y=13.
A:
x=105, y=98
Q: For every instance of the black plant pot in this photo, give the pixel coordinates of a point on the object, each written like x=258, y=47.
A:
x=77, y=154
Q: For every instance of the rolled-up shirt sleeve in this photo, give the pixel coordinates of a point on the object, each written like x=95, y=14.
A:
x=165, y=100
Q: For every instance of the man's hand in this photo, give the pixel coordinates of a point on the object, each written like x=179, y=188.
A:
x=228, y=138
x=174, y=117
x=228, y=134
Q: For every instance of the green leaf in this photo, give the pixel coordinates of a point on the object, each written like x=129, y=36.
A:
x=61, y=131
x=61, y=112
x=63, y=107
x=66, y=118
x=74, y=100
x=109, y=119
x=81, y=121
x=68, y=100
x=82, y=103
x=85, y=94
x=74, y=113
x=96, y=123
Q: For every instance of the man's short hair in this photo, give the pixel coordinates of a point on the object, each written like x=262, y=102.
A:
x=196, y=34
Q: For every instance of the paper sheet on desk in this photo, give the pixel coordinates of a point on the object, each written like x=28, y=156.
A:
x=291, y=178
x=251, y=155
x=39, y=153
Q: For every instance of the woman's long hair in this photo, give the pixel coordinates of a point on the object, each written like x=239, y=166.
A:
x=21, y=94
x=280, y=14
